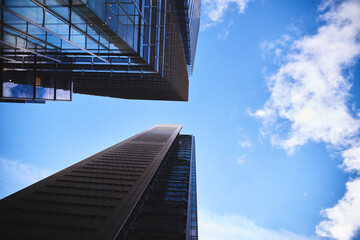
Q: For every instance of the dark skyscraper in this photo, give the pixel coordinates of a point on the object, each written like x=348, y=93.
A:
x=141, y=188
x=135, y=49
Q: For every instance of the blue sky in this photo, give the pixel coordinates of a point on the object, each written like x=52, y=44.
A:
x=274, y=107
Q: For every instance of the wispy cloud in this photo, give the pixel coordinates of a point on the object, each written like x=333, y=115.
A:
x=15, y=175
x=225, y=31
x=245, y=143
x=276, y=47
x=241, y=159
x=309, y=103
x=214, y=10
x=233, y=227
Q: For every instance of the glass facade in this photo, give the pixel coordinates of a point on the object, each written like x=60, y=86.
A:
x=189, y=19
x=192, y=227
x=128, y=49
x=168, y=208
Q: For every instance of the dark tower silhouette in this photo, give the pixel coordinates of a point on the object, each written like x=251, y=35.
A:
x=141, y=188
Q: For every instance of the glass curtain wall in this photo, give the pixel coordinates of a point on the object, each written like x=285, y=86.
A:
x=49, y=45
x=168, y=208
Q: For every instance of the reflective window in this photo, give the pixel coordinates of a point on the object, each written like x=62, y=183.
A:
x=44, y=87
x=18, y=85
x=63, y=89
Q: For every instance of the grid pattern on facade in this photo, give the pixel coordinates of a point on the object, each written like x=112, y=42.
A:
x=88, y=200
x=127, y=49
x=189, y=18
x=164, y=209
x=192, y=224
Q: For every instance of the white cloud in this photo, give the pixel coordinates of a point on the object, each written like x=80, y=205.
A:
x=214, y=10
x=352, y=159
x=275, y=46
x=310, y=90
x=245, y=143
x=8, y=88
x=233, y=227
x=309, y=103
x=344, y=218
x=15, y=175
x=241, y=159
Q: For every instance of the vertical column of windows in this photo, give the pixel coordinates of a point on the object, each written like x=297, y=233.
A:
x=164, y=212
x=193, y=234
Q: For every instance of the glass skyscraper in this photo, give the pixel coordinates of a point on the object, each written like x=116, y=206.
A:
x=141, y=188
x=135, y=49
